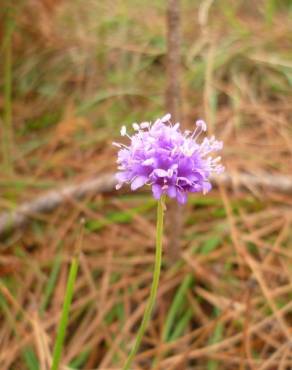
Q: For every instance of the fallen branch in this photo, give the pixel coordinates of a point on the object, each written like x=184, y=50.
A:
x=47, y=202
x=11, y=220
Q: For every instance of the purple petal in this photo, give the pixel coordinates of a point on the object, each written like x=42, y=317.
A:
x=123, y=155
x=181, y=196
x=206, y=187
x=138, y=182
x=171, y=191
x=157, y=191
x=200, y=174
x=183, y=181
x=195, y=188
x=122, y=176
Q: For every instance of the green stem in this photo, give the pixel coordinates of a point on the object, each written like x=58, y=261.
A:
x=154, y=286
x=65, y=314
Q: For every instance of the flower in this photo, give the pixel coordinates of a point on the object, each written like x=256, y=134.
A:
x=170, y=161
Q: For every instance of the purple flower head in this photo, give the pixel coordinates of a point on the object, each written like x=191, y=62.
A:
x=170, y=161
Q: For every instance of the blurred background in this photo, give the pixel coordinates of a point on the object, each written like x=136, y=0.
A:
x=72, y=73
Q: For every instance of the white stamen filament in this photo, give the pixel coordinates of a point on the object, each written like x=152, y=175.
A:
x=145, y=125
x=123, y=131
x=166, y=118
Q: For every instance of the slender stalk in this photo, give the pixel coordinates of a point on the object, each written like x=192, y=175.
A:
x=7, y=127
x=65, y=314
x=173, y=104
x=154, y=286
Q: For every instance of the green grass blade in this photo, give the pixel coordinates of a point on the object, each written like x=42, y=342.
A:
x=181, y=325
x=30, y=359
x=65, y=314
x=51, y=283
x=215, y=338
x=80, y=359
x=176, y=305
x=210, y=244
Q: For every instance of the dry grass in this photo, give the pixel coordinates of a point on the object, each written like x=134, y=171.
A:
x=78, y=72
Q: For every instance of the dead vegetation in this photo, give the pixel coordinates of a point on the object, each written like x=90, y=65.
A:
x=78, y=71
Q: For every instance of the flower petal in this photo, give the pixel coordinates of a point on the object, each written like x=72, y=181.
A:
x=206, y=187
x=181, y=196
x=138, y=182
x=122, y=176
x=171, y=191
x=157, y=191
